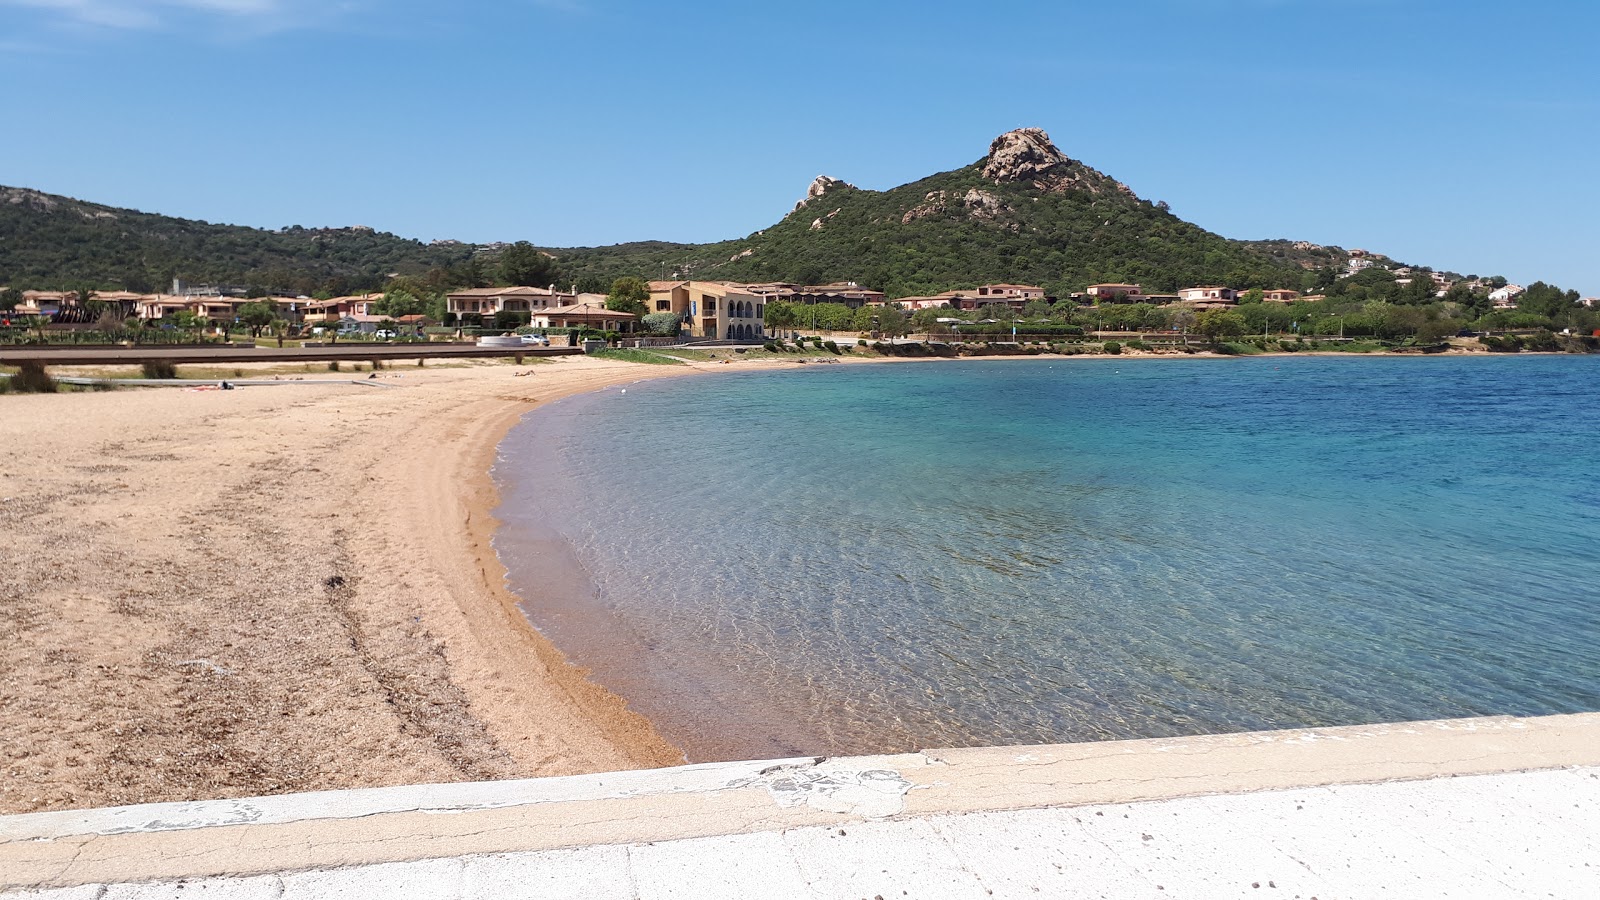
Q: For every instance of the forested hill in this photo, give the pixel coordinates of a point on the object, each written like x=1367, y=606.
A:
x=48, y=241
x=1024, y=213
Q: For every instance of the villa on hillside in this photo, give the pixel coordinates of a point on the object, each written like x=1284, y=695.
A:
x=1280, y=296
x=1506, y=297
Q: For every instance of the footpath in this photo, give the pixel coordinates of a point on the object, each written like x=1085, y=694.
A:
x=1476, y=808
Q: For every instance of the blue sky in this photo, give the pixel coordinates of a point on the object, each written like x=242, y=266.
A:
x=1454, y=133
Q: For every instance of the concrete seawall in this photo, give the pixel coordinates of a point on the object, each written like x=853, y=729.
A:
x=333, y=831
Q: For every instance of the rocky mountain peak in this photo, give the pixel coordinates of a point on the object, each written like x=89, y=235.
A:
x=819, y=186
x=1021, y=155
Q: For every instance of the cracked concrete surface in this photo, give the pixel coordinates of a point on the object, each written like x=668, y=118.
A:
x=1470, y=808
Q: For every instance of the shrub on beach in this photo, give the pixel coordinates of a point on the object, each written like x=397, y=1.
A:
x=1113, y=348
x=831, y=347
x=31, y=378
x=160, y=368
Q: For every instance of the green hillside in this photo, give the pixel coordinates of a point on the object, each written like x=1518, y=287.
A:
x=1024, y=213
x=48, y=241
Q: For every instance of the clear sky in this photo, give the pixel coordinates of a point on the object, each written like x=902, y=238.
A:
x=1462, y=134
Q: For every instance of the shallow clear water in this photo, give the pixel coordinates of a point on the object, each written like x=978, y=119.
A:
x=875, y=558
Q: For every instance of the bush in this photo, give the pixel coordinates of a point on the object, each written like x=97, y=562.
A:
x=663, y=324
x=31, y=378
x=770, y=347
x=159, y=368
x=861, y=342
x=1113, y=348
x=831, y=347
x=1138, y=345
x=507, y=319
x=1542, y=342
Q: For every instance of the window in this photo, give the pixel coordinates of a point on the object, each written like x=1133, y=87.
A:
x=663, y=306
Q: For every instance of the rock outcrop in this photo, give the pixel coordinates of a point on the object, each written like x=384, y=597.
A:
x=24, y=196
x=819, y=186
x=1022, y=155
x=932, y=205
x=984, y=206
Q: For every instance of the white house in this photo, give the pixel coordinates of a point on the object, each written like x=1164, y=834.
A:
x=1506, y=297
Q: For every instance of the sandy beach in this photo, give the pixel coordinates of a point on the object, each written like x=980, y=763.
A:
x=211, y=594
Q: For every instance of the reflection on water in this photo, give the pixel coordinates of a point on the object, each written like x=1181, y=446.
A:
x=882, y=558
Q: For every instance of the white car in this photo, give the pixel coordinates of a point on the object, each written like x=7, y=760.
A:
x=384, y=334
x=538, y=339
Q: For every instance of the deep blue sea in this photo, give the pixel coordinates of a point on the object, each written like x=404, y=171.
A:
x=855, y=559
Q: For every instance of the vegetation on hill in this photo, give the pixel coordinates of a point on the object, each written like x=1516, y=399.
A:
x=1024, y=213
x=1067, y=230
x=51, y=242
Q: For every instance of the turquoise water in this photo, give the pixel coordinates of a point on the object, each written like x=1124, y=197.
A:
x=853, y=559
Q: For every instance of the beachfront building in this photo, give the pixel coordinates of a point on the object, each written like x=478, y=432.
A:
x=934, y=301
x=216, y=309
x=847, y=293
x=160, y=306
x=1210, y=295
x=586, y=315
x=1115, y=293
x=1022, y=292
x=45, y=304
x=712, y=310
x=486, y=302
x=336, y=308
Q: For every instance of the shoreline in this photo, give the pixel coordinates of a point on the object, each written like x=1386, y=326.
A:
x=225, y=594
x=260, y=592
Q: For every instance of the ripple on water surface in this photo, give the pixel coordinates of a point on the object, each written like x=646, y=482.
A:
x=864, y=559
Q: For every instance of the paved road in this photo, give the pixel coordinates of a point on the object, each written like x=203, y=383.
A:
x=113, y=356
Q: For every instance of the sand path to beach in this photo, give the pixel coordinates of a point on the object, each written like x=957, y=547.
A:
x=230, y=593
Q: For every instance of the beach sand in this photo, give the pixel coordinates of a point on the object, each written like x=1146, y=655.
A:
x=211, y=594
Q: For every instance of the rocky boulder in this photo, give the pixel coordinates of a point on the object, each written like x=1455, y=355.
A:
x=819, y=186
x=1022, y=155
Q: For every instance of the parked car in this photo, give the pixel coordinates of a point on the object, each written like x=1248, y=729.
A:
x=384, y=334
x=538, y=339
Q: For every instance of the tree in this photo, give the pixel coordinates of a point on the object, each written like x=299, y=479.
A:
x=524, y=264
x=629, y=295
x=892, y=320
x=397, y=303
x=1219, y=324
x=10, y=298
x=257, y=315
x=779, y=315
x=1254, y=295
